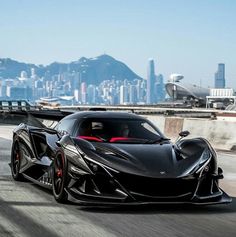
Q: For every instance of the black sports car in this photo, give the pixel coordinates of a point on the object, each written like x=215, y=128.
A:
x=116, y=158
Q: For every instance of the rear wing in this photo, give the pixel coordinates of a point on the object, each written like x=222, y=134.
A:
x=36, y=118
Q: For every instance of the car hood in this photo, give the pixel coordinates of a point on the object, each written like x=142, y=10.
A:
x=152, y=160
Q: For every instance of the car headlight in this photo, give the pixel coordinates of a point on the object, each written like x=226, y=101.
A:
x=96, y=167
x=204, y=163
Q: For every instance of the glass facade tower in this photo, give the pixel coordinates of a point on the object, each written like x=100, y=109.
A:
x=151, y=78
x=220, y=76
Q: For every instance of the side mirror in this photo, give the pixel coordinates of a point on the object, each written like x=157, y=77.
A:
x=184, y=134
x=63, y=140
x=62, y=133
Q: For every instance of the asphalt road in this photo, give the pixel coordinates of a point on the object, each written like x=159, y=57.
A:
x=28, y=210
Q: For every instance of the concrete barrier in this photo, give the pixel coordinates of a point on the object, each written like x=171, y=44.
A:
x=221, y=134
x=170, y=126
x=158, y=121
x=173, y=127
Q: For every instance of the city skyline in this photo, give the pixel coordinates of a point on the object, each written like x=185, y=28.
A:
x=71, y=85
x=185, y=37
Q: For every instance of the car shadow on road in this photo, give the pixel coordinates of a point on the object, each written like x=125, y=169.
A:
x=165, y=209
x=139, y=208
x=135, y=209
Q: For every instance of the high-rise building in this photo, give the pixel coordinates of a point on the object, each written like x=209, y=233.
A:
x=220, y=76
x=3, y=88
x=19, y=92
x=159, y=88
x=91, y=94
x=83, y=93
x=77, y=95
x=123, y=94
x=151, y=82
x=132, y=94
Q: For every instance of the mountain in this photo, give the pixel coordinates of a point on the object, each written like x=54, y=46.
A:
x=92, y=70
x=11, y=69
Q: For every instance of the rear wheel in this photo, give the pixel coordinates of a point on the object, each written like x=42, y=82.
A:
x=16, y=157
x=59, y=178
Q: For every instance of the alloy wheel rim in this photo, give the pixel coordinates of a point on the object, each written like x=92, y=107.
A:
x=16, y=160
x=58, y=174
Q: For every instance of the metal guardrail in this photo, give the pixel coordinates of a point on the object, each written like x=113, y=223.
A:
x=12, y=106
x=15, y=105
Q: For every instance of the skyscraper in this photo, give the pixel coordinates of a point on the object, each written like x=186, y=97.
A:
x=151, y=82
x=123, y=94
x=83, y=93
x=132, y=94
x=220, y=76
x=91, y=94
x=159, y=88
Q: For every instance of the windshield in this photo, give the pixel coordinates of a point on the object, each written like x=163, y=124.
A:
x=118, y=131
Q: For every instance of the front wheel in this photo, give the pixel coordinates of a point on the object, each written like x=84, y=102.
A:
x=59, y=178
x=16, y=158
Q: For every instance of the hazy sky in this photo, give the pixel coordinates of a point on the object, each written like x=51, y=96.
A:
x=183, y=36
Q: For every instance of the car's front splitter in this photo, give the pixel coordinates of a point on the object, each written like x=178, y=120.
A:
x=223, y=199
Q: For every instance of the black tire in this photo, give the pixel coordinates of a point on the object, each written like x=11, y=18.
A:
x=59, y=178
x=16, y=161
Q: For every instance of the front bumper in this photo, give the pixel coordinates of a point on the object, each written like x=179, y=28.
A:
x=107, y=188
x=223, y=199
